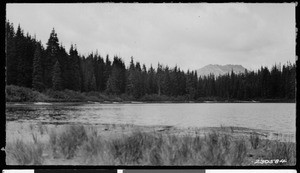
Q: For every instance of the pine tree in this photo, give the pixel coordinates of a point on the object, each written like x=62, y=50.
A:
x=88, y=74
x=144, y=80
x=190, y=85
x=181, y=82
x=37, y=75
x=130, y=78
x=20, y=50
x=116, y=83
x=30, y=46
x=99, y=68
x=74, y=69
x=159, y=77
x=166, y=82
x=56, y=79
x=107, y=71
x=52, y=51
x=93, y=85
x=11, y=59
x=66, y=68
x=151, y=81
x=112, y=83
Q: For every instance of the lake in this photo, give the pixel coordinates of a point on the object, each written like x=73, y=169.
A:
x=277, y=117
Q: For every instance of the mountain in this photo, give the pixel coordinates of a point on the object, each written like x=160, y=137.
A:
x=220, y=69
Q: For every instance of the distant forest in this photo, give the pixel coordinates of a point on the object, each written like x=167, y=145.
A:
x=29, y=64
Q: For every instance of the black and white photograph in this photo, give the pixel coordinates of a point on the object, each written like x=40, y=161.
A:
x=150, y=84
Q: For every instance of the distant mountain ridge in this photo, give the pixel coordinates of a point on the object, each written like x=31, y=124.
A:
x=220, y=69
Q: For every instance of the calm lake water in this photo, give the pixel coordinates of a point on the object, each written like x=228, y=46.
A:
x=278, y=117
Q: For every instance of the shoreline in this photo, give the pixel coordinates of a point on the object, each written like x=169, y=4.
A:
x=113, y=130
x=138, y=102
x=22, y=94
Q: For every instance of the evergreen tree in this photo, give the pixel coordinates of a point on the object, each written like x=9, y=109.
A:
x=30, y=46
x=174, y=75
x=275, y=81
x=144, y=80
x=93, y=85
x=291, y=91
x=20, y=50
x=159, y=77
x=66, y=68
x=51, y=58
x=37, y=75
x=116, y=83
x=190, y=85
x=56, y=79
x=11, y=59
x=107, y=71
x=181, y=83
x=130, y=84
x=151, y=81
x=166, y=82
x=99, y=70
x=75, y=69
x=30, y=65
x=89, y=79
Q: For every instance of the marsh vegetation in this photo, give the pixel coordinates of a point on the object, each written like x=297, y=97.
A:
x=88, y=145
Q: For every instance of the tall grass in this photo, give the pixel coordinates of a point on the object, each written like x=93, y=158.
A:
x=93, y=149
x=21, y=153
x=284, y=151
x=148, y=148
x=254, y=140
x=68, y=141
x=142, y=148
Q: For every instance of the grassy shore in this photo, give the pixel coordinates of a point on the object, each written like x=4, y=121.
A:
x=44, y=144
x=22, y=94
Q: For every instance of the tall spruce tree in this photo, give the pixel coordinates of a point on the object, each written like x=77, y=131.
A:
x=107, y=71
x=75, y=69
x=151, y=81
x=20, y=51
x=116, y=83
x=51, y=58
x=57, y=79
x=130, y=78
x=37, y=75
x=11, y=59
x=159, y=77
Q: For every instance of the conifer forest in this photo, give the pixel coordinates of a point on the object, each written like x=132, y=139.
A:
x=29, y=64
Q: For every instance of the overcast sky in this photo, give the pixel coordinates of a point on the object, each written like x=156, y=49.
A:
x=189, y=35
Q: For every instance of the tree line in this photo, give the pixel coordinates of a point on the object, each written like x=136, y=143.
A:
x=29, y=64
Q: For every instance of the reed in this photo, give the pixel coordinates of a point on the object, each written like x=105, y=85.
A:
x=147, y=148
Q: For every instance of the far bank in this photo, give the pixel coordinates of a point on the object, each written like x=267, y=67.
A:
x=22, y=94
